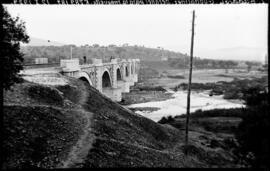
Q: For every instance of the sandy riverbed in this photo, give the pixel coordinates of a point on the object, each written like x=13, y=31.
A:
x=177, y=105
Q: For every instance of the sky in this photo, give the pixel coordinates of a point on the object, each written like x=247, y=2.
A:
x=217, y=27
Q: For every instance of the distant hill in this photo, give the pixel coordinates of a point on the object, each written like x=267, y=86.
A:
x=42, y=42
x=96, y=51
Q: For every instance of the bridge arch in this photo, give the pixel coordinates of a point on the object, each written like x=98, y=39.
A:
x=127, y=71
x=118, y=74
x=106, y=79
x=84, y=77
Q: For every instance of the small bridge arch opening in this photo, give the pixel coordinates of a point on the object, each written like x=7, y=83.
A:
x=84, y=80
x=118, y=74
x=127, y=73
x=106, y=80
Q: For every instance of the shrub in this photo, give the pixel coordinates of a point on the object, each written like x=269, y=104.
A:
x=166, y=120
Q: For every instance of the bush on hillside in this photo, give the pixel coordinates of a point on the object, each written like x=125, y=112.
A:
x=166, y=120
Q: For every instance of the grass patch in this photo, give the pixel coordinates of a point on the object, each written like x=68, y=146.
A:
x=72, y=93
x=37, y=137
x=46, y=94
x=110, y=153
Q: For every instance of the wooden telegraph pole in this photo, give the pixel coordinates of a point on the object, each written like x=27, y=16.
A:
x=189, y=80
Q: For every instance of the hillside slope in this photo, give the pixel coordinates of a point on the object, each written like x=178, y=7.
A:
x=76, y=126
x=125, y=139
x=42, y=124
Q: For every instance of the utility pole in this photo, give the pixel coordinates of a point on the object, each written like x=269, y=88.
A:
x=189, y=80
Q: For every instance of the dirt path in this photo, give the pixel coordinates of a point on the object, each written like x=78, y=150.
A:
x=79, y=151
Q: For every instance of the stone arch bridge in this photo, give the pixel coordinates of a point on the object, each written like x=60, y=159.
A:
x=110, y=78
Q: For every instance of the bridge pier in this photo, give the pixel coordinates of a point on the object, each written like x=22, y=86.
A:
x=113, y=93
x=124, y=85
x=98, y=73
x=135, y=78
x=114, y=73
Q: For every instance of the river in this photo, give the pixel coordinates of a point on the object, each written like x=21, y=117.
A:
x=177, y=105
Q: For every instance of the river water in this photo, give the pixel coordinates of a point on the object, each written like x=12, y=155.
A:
x=177, y=105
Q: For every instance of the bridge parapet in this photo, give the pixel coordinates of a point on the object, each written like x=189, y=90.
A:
x=87, y=66
x=70, y=65
x=97, y=61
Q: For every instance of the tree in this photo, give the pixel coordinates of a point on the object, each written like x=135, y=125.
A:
x=13, y=33
x=95, y=45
